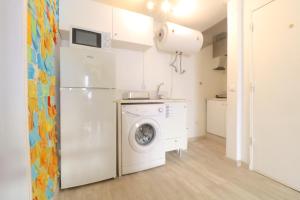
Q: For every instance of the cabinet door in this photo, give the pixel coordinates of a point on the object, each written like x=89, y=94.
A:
x=175, y=124
x=86, y=14
x=216, y=118
x=132, y=27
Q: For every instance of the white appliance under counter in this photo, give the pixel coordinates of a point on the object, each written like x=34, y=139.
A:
x=216, y=116
x=174, y=126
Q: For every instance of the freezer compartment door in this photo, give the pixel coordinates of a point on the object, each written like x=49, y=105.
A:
x=88, y=136
x=89, y=68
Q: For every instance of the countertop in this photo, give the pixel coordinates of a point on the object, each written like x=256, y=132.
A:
x=217, y=99
x=132, y=101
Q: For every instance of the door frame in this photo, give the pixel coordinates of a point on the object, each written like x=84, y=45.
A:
x=252, y=89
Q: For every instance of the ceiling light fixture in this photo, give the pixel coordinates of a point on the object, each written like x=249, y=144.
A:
x=184, y=7
x=150, y=5
x=166, y=6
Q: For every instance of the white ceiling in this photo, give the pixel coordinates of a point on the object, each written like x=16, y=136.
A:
x=204, y=13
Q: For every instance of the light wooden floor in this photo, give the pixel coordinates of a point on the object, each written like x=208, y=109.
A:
x=203, y=173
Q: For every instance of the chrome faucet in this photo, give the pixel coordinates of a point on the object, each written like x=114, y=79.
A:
x=158, y=89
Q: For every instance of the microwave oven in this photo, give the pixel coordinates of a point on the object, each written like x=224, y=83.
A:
x=91, y=39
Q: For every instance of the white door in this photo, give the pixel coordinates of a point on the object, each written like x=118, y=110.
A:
x=276, y=105
x=88, y=136
x=81, y=67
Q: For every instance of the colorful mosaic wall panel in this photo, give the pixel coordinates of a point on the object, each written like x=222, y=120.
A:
x=42, y=33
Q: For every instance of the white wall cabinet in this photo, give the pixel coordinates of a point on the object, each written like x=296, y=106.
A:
x=216, y=117
x=175, y=130
x=86, y=14
x=130, y=27
x=127, y=27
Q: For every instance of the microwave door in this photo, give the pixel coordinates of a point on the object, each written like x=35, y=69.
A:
x=87, y=38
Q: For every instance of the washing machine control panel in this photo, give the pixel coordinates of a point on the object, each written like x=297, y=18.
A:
x=144, y=109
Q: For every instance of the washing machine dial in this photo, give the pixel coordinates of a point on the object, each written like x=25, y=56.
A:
x=160, y=110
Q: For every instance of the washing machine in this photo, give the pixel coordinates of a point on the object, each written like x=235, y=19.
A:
x=142, y=145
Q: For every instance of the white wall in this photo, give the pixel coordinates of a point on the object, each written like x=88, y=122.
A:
x=235, y=81
x=156, y=69
x=210, y=82
x=15, y=180
x=137, y=70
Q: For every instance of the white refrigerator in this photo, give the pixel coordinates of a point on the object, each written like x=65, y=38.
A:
x=87, y=116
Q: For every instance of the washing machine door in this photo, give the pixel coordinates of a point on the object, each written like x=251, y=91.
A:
x=144, y=135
